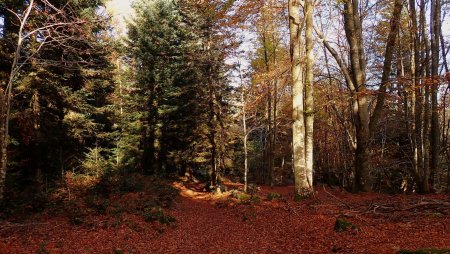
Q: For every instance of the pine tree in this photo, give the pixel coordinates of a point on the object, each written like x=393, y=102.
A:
x=59, y=109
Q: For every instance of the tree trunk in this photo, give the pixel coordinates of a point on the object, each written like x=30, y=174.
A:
x=7, y=98
x=149, y=160
x=3, y=144
x=435, y=38
x=268, y=151
x=212, y=122
x=414, y=122
x=353, y=31
x=212, y=137
x=387, y=65
x=302, y=187
x=309, y=92
x=244, y=122
x=362, y=173
x=355, y=77
x=274, y=131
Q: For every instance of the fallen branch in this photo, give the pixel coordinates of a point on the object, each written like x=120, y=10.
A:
x=389, y=208
x=425, y=204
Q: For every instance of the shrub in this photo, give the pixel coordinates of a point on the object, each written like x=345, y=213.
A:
x=157, y=214
x=95, y=163
x=42, y=248
x=118, y=251
x=98, y=203
x=273, y=195
x=243, y=197
x=132, y=183
x=343, y=224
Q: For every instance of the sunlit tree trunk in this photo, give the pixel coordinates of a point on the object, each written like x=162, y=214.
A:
x=302, y=187
x=309, y=92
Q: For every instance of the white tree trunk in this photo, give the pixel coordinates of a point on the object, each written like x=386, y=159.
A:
x=302, y=187
x=309, y=92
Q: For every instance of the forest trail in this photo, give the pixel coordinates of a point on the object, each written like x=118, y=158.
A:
x=210, y=224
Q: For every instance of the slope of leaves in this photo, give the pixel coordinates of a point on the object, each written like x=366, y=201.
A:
x=265, y=223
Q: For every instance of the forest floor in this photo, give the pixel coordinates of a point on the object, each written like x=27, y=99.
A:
x=268, y=222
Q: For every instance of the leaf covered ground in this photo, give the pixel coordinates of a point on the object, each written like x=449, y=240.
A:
x=270, y=221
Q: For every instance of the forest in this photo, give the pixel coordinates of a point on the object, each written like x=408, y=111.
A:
x=224, y=126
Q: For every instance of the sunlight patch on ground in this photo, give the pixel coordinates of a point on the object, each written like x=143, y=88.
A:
x=197, y=193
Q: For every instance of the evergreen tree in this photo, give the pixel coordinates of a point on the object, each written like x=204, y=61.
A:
x=179, y=57
x=59, y=111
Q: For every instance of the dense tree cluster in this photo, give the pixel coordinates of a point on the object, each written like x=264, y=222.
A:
x=55, y=86
x=351, y=93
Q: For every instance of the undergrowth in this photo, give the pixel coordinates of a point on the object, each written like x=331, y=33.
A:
x=80, y=199
x=343, y=225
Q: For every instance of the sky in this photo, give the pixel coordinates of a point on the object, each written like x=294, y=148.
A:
x=120, y=9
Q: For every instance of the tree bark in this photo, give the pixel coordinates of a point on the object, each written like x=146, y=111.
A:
x=309, y=92
x=435, y=39
x=3, y=144
x=414, y=122
x=302, y=187
x=387, y=65
x=244, y=123
x=353, y=31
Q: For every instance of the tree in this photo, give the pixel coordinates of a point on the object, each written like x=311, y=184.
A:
x=303, y=186
x=181, y=75
x=55, y=36
x=355, y=77
x=309, y=91
x=435, y=56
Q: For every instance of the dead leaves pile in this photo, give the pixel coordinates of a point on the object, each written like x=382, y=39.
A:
x=207, y=223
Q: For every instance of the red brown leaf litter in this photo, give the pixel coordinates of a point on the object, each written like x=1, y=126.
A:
x=207, y=223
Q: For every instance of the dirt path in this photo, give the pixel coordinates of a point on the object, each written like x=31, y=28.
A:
x=206, y=224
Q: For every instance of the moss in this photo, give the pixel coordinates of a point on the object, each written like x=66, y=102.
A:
x=157, y=214
x=243, y=197
x=255, y=199
x=42, y=249
x=273, y=195
x=118, y=251
x=299, y=198
x=248, y=216
x=224, y=203
x=343, y=224
x=303, y=194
